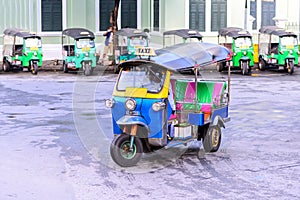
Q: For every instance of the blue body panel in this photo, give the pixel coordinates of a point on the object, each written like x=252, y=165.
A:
x=222, y=112
x=143, y=114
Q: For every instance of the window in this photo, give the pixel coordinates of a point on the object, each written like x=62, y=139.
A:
x=106, y=7
x=129, y=14
x=156, y=15
x=268, y=12
x=51, y=15
x=218, y=14
x=197, y=15
x=253, y=13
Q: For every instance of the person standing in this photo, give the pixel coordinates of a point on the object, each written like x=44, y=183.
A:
x=108, y=48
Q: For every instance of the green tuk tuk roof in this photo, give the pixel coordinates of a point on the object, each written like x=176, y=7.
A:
x=20, y=33
x=78, y=33
x=275, y=30
x=234, y=32
x=184, y=33
x=131, y=32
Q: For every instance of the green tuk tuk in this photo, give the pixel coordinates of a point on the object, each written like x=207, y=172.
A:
x=277, y=49
x=181, y=36
x=127, y=40
x=21, y=49
x=79, y=50
x=241, y=46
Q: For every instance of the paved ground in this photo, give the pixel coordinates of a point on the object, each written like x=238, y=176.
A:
x=55, y=136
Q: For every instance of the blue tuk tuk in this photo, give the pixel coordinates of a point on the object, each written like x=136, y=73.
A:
x=152, y=108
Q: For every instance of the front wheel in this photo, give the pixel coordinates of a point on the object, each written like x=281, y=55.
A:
x=34, y=68
x=86, y=69
x=244, y=68
x=122, y=154
x=212, y=139
x=290, y=67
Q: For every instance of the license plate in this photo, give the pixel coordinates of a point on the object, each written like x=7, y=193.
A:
x=18, y=62
x=273, y=61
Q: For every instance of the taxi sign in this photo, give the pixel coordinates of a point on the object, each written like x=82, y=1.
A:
x=145, y=51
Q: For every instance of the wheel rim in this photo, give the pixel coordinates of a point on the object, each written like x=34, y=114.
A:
x=215, y=137
x=126, y=152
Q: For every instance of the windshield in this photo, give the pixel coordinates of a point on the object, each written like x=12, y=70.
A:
x=289, y=41
x=85, y=43
x=243, y=42
x=142, y=76
x=33, y=42
x=138, y=41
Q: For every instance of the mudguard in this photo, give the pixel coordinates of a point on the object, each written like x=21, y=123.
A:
x=218, y=121
x=128, y=120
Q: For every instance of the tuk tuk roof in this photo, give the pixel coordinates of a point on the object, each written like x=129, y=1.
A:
x=234, y=32
x=275, y=30
x=131, y=32
x=20, y=33
x=185, y=56
x=78, y=33
x=184, y=33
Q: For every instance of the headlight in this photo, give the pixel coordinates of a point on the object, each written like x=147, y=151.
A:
x=35, y=53
x=245, y=53
x=130, y=104
x=109, y=103
x=86, y=54
x=234, y=54
x=77, y=54
x=291, y=51
x=158, y=106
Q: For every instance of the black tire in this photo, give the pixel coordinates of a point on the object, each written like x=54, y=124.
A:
x=86, y=69
x=34, y=69
x=212, y=139
x=290, y=67
x=261, y=65
x=6, y=66
x=119, y=149
x=65, y=67
x=116, y=69
x=220, y=66
x=244, y=68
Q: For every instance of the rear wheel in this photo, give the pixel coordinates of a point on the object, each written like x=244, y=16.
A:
x=212, y=139
x=220, y=66
x=6, y=66
x=122, y=154
x=65, y=67
x=262, y=64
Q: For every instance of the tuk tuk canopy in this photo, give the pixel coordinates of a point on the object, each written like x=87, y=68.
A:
x=234, y=32
x=78, y=33
x=131, y=32
x=275, y=30
x=20, y=33
x=186, y=56
x=184, y=33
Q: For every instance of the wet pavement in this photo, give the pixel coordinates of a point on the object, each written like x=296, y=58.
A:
x=56, y=133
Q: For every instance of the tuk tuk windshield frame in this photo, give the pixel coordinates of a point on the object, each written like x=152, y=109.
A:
x=33, y=42
x=289, y=40
x=243, y=42
x=142, y=75
x=85, y=42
